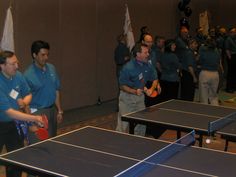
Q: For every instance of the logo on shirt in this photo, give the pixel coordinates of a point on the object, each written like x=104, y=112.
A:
x=140, y=77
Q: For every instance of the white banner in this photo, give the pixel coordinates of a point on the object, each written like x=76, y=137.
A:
x=128, y=30
x=7, y=42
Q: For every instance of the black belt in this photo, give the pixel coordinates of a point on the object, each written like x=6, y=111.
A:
x=49, y=107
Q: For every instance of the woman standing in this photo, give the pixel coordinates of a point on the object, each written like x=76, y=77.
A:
x=170, y=67
x=209, y=76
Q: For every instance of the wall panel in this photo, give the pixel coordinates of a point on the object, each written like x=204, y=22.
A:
x=82, y=34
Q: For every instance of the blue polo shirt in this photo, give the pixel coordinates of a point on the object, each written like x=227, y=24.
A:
x=170, y=67
x=189, y=60
x=181, y=48
x=230, y=44
x=121, y=52
x=135, y=74
x=209, y=59
x=4, y=106
x=43, y=85
x=13, y=89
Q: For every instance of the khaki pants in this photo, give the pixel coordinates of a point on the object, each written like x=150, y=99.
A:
x=208, y=85
x=130, y=103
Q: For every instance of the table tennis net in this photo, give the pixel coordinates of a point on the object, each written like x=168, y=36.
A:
x=159, y=157
x=221, y=123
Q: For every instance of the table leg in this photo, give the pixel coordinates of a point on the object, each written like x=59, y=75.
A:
x=131, y=127
x=226, y=145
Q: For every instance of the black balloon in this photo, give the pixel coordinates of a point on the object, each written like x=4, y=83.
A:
x=186, y=2
x=187, y=11
x=181, y=6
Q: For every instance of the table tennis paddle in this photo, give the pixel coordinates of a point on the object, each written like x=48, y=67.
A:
x=148, y=86
x=42, y=134
x=154, y=94
x=45, y=122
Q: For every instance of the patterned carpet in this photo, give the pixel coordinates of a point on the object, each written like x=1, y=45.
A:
x=107, y=122
x=227, y=99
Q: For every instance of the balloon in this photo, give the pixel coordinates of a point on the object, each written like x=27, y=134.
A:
x=186, y=2
x=187, y=11
x=181, y=6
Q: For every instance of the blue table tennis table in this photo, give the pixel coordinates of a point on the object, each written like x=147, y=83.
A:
x=184, y=116
x=96, y=152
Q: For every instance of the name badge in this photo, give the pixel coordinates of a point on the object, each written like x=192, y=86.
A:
x=33, y=110
x=14, y=94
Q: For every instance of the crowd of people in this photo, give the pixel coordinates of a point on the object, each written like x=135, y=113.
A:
x=175, y=68
x=25, y=98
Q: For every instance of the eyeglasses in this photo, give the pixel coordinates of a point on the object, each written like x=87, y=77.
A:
x=13, y=64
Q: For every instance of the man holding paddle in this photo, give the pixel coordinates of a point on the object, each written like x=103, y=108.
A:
x=133, y=78
x=14, y=95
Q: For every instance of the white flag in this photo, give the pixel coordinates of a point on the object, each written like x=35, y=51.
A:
x=7, y=42
x=128, y=30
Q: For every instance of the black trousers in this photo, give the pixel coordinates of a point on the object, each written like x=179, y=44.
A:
x=12, y=140
x=169, y=90
x=187, y=86
x=231, y=75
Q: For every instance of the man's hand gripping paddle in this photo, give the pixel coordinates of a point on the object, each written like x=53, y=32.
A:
x=42, y=132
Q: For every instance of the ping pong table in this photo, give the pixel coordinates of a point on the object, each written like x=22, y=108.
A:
x=184, y=116
x=95, y=152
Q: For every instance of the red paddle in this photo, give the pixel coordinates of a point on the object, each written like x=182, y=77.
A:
x=148, y=85
x=42, y=134
x=154, y=94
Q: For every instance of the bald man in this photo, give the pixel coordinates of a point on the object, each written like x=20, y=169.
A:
x=148, y=40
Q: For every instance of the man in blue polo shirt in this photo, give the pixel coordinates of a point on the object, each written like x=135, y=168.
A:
x=133, y=77
x=14, y=95
x=45, y=87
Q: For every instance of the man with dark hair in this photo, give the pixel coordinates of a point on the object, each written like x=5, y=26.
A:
x=45, y=87
x=133, y=78
x=182, y=43
x=14, y=95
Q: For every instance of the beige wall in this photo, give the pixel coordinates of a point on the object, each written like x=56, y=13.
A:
x=82, y=34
